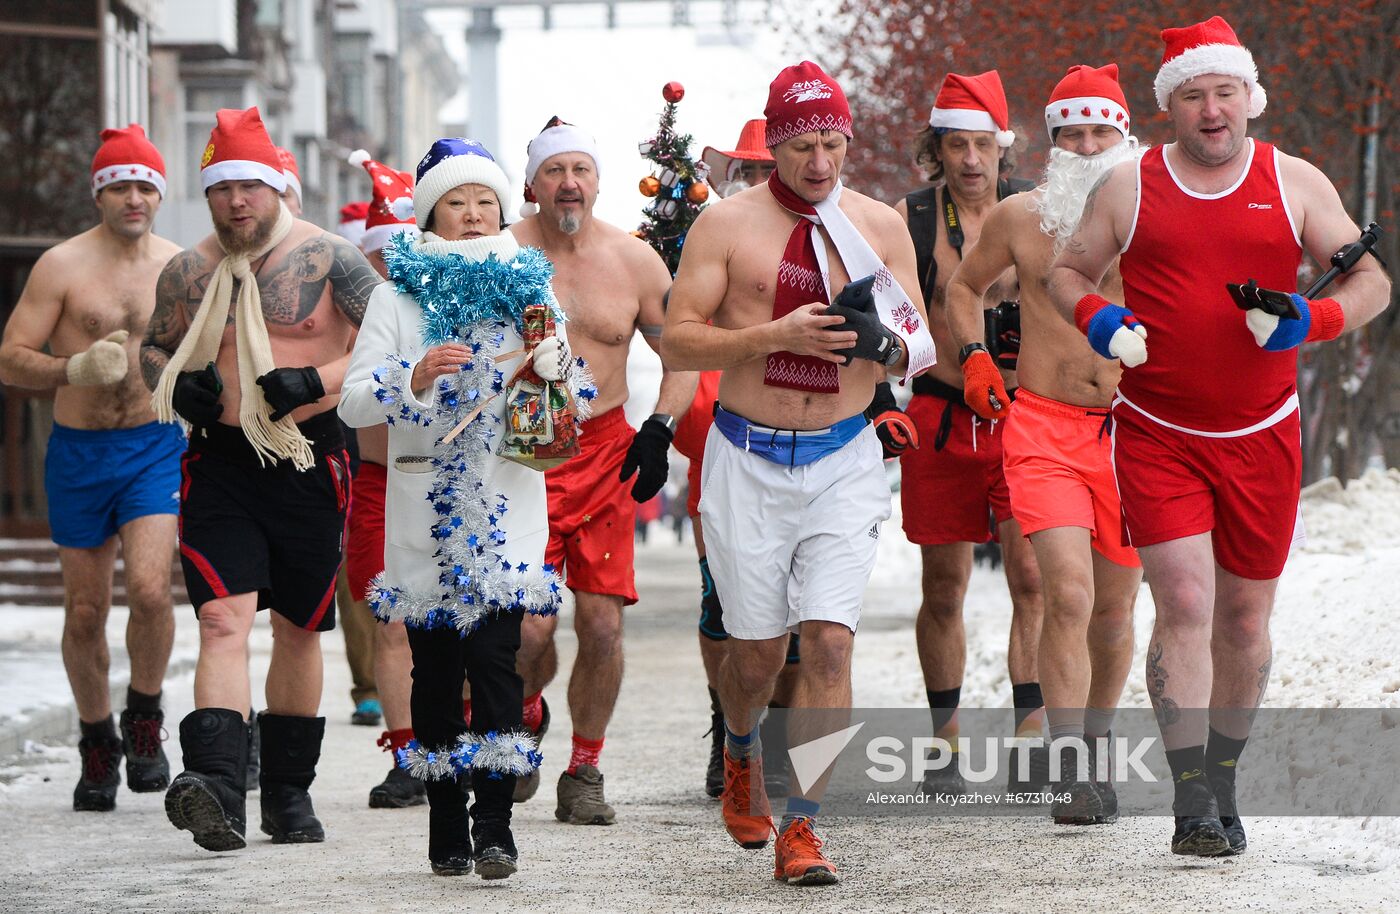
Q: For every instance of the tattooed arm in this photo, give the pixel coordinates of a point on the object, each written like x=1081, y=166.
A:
x=1102, y=232
x=178, y=293
x=352, y=279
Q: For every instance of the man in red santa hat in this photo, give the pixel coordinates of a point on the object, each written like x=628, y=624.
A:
x=248, y=345
x=794, y=493
x=959, y=465
x=1206, y=435
x=1056, y=456
x=111, y=470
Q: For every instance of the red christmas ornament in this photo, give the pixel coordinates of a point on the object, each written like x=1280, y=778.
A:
x=673, y=92
x=697, y=193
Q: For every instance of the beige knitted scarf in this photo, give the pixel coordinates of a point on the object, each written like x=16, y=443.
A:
x=272, y=441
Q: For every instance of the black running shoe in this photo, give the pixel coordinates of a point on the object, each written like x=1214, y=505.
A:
x=97, y=788
x=398, y=790
x=1199, y=832
x=1077, y=803
x=1108, y=800
x=147, y=768
x=945, y=784
x=714, y=772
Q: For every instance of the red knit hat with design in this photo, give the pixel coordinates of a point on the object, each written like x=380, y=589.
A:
x=803, y=99
x=240, y=150
x=973, y=103
x=391, y=209
x=1088, y=95
x=126, y=155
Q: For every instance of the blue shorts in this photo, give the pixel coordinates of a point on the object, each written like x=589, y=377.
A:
x=99, y=479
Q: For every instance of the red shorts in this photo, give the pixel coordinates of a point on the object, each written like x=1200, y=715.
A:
x=1244, y=490
x=591, y=513
x=691, y=433
x=364, y=549
x=947, y=494
x=1059, y=467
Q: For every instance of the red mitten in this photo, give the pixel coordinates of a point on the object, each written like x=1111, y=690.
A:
x=983, y=388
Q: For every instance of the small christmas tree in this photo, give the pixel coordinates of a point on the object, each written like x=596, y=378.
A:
x=677, y=188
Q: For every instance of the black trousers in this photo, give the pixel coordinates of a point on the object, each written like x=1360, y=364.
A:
x=443, y=659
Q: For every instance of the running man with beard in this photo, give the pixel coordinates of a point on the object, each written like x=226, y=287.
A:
x=1056, y=448
x=958, y=466
x=1206, y=436
x=248, y=344
x=610, y=285
x=794, y=491
x=111, y=471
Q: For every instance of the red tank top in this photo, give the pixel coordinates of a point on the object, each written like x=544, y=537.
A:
x=695, y=426
x=1203, y=370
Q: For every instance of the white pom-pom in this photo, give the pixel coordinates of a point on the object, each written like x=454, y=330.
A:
x=1005, y=138
x=402, y=208
x=528, y=209
x=358, y=157
x=1258, y=98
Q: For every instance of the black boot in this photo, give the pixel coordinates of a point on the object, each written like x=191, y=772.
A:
x=714, y=771
x=147, y=769
x=1198, y=829
x=449, y=836
x=291, y=747
x=97, y=787
x=495, y=845
x=207, y=798
x=254, y=754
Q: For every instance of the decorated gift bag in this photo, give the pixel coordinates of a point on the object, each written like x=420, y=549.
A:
x=540, y=419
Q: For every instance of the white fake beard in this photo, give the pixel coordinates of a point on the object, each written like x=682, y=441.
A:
x=730, y=188
x=1068, y=179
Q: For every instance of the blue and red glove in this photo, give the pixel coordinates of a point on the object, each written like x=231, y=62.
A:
x=1320, y=319
x=1113, y=331
x=893, y=426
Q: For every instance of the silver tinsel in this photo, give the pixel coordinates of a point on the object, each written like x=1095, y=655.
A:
x=513, y=752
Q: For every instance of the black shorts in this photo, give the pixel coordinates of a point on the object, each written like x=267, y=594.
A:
x=272, y=529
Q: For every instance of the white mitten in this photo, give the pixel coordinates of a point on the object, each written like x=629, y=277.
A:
x=1129, y=344
x=104, y=362
x=552, y=358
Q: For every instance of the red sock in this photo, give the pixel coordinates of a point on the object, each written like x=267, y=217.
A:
x=586, y=752
x=532, y=711
x=390, y=740
x=467, y=712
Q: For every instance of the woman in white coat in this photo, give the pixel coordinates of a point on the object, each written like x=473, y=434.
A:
x=465, y=530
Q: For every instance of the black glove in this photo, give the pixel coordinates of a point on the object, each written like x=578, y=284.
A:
x=893, y=426
x=196, y=396
x=646, y=456
x=874, y=340
x=287, y=388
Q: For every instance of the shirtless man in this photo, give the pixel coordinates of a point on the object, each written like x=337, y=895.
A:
x=111, y=470
x=792, y=520
x=959, y=466
x=265, y=480
x=610, y=285
x=1057, y=450
x=1206, y=440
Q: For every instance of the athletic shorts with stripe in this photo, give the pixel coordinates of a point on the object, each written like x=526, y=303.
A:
x=271, y=530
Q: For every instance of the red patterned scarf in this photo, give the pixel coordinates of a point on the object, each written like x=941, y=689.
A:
x=800, y=282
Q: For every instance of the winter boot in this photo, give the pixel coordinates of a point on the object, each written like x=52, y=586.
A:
x=449, y=834
x=254, y=752
x=147, y=769
x=291, y=747
x=207, y=799
x=97, y=787
x=495, y=856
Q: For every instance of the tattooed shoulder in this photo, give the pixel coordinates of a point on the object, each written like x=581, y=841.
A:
x=182, y=282
x=352, y=279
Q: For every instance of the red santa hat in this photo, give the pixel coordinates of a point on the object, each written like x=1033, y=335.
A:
x=351, y=225
x=240, y=150
x=1206, y=47
x=290, y=170
x=1088, y=96
x=391, y=209
x=803, y=99
x=973, y=103
x=725, y=164
x=126, y=155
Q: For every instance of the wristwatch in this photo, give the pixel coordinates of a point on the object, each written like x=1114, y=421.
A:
x=966, y=352
x=664, y=419
x=896, y=349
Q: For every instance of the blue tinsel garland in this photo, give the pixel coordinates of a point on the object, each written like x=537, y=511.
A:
x=455, y=292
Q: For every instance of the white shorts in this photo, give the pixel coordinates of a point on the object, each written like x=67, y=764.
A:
x=790, y=544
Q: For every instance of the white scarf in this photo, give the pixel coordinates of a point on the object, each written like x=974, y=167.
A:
x=271, y=441
x=504, y=246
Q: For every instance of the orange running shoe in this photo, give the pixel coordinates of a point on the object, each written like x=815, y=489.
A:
x=800, y=859
x=748, y=818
